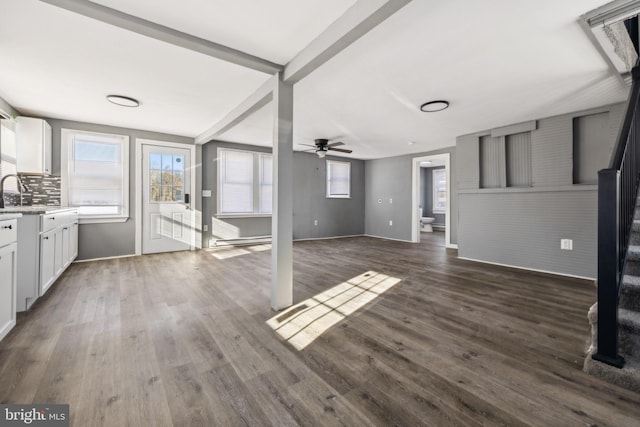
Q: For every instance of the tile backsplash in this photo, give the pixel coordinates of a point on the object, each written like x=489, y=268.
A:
x=41, y=190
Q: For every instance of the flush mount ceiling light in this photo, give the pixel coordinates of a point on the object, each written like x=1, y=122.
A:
x=123, y=101
x=321, y=153
x=433, y=106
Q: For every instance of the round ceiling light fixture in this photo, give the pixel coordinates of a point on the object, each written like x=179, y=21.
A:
x=433, y=106
x=123, y=101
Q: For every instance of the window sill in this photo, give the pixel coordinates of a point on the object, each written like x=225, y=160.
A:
x=338, y=197
x=243, y=216
x=439, y=212
x=102, y=220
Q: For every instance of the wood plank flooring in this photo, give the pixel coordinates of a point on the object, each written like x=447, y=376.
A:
x=180, y=339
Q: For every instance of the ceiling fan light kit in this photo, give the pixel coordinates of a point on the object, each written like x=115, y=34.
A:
x=322, y=146
x=434, y=106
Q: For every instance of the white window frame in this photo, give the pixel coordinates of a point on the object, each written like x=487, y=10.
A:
x=257, y=169
x=434, y=196
x=66, y=139
x=328, y=181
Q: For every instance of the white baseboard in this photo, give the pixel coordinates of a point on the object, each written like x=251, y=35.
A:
x=555, y=273
x=452, y=246
x=104, y=258
x=387, y=238
x=328, y=238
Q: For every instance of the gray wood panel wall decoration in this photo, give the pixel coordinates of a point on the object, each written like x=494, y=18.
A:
x=520, y=225
x=591, y=151
x=491, y=162
x=518, y=153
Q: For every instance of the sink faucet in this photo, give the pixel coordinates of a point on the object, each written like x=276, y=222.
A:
x=20, y=188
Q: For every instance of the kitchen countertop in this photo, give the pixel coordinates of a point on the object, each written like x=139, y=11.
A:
x=7, y=216
x=34, y=210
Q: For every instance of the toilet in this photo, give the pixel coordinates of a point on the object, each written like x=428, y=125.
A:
x=425, y=222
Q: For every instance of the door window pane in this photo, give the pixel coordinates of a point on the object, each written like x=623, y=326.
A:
x=168, y=171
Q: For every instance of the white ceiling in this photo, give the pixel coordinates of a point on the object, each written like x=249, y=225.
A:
x=498, y=62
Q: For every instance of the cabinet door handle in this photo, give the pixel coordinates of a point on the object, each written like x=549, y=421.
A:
x=7, y=227
x=46, y=237
x=52, y=218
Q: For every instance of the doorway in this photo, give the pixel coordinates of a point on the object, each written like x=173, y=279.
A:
x=165, y=187
x=418, y=162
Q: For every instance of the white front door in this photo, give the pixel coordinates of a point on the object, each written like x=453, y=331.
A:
x=167, y=219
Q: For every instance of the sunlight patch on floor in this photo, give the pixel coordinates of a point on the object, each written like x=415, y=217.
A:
x=234, y=251
x=302, y=323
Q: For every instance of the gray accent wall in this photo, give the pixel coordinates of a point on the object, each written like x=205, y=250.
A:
x=390, y=178
x=522, y=226
x=336, y=217
x=110, y=239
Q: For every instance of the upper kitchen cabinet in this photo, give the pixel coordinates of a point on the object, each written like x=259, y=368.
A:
x=33, y=138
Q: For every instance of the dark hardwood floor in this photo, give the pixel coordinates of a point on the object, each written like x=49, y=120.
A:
x=181, y=339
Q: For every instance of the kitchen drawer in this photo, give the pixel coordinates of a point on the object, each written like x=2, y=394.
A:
x=55, y=220
x=8, y=231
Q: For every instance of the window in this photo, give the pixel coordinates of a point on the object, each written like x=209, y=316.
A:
x=166, y=178
x=8, y=153
x=338, y=179
x=95, y=175
x=244, y=182
x=439, y=191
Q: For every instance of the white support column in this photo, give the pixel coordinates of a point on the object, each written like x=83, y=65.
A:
x=282, y=216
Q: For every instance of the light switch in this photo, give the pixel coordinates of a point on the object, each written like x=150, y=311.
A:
x=566, y=244
x=390, y=201
x=390, y=223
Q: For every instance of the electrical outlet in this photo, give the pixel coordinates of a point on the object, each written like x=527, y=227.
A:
x=206, y=193
x=390, y=223
x=315, y=222
x=390, y=201
x=206, y=227
x=566, y=244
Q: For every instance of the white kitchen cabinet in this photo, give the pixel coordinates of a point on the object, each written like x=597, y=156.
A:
x=8, y=275
x=47, y=244
x=33, y=137
x=48, y=270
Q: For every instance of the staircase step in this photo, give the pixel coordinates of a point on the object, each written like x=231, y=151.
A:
x=634, y=239
x=627, y=377
x=632, y=267
x=629, y=334
x=630, y=293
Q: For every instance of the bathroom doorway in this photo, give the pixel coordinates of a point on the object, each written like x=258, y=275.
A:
x=433, y=202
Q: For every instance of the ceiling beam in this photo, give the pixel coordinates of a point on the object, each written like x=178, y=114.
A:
x=258, y=99
x=357, y=21
x=165, y=34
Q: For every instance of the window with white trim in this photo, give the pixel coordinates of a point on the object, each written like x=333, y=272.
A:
x=244, y=182
x=338, y=179
x=95, y=175
x=8, y=153
x=439, y=191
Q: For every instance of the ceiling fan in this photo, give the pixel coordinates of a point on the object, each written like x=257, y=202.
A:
x=322, y=146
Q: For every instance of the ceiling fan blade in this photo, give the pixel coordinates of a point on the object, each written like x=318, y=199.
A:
x=342, y=150
x=311, y=150
x=335, y=144
x=307, y=145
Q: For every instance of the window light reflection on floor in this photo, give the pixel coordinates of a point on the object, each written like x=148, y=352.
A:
x=234, y=251
x=302, y=323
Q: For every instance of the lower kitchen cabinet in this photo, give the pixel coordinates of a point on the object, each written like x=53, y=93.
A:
x=48, y=244
x=8, y=275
